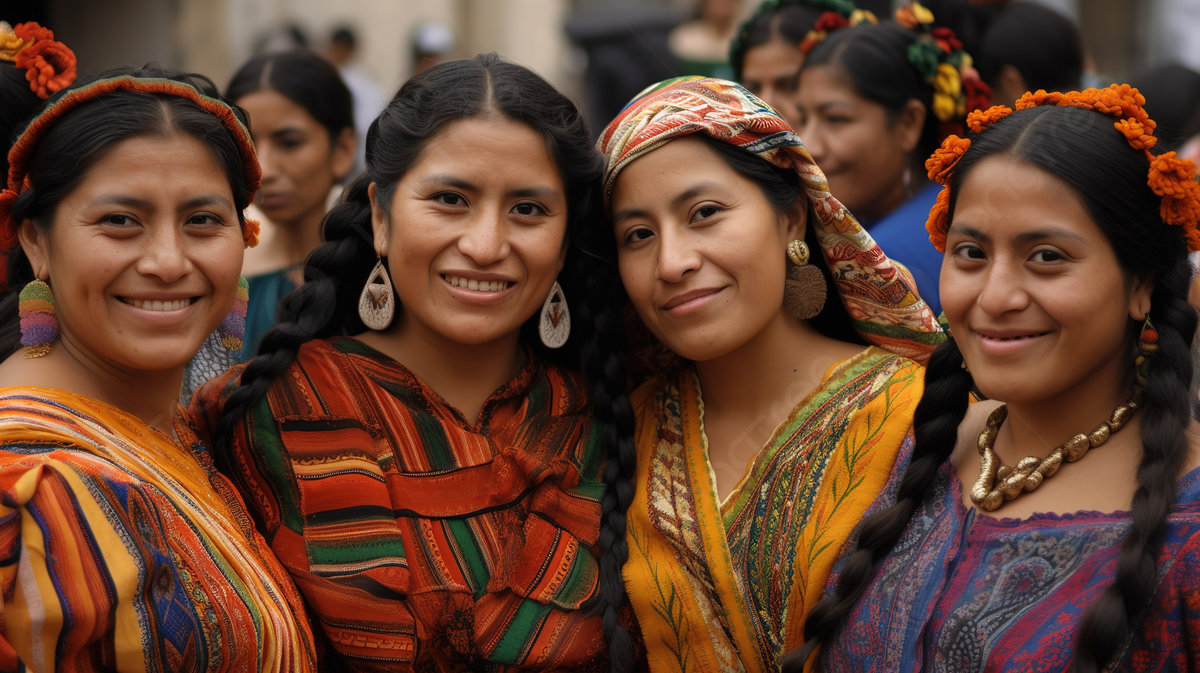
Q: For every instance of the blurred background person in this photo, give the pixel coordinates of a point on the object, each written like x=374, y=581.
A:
x=625, y=47
x=765, y=54
x=702, y=44
x=302, y=122
x=871, y=112
x=368, y=97
x=1029, y=47
x=432, y=43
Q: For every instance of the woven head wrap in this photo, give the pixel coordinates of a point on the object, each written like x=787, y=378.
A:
x=1170, y=177
x=881, y=299
x=21, y=155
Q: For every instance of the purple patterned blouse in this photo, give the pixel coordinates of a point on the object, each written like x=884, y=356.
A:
x=964, y=592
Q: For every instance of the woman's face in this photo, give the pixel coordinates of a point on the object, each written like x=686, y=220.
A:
x=860, y=148
x=299, y=163
x=1036, y=299
x=475, y=234
x=702, y=252
x=771, y=71
x=143, y=256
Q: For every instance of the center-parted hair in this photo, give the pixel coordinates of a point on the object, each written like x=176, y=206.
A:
x=304, y=78
x=326, y=305
x=1082, y=149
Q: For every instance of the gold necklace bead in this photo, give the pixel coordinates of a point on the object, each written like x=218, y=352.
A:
x=1075, y=447
x=1099, y=435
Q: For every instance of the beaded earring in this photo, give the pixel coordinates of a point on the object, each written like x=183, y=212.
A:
x=1147, y=347
x=39, y=326
x=232, y=330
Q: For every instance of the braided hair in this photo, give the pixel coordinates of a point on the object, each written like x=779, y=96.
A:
x=85, y=134
x=1081, y=148
x=326, y=305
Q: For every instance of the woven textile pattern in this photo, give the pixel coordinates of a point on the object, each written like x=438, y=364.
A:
x=420, y=540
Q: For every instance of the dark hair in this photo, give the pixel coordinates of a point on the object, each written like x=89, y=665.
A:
x=17, y=104
x=789, y=21
x=326, y=304
x=344, y=35
x=1080, y=147
x=874, y=58
x=304, y=78
x=781, y=187
x=84, y=134
x=1172, y=94
x=1043, y=45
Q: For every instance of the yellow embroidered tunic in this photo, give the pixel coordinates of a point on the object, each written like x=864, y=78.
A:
x=725, y=586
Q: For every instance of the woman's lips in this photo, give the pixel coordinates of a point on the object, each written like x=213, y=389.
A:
x=689, y=302
x=482, y=293
x=162, y=312
x=1003, y=343
x=272, y=200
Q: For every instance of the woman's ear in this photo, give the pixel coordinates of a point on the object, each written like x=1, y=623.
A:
x=1139, y=298
x=796, y=219
x=342, y=157
x=910, y=123
x=379, y=223
x=33, y=242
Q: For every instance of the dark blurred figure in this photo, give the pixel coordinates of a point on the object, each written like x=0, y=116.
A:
x=702, y=44
x=627, y=51
x=1029, y=47
x=1173, y=101
x=342, y=51
x=433, y=43
x=766, y=56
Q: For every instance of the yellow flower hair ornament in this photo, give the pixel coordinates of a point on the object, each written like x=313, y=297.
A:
x=1171, y=178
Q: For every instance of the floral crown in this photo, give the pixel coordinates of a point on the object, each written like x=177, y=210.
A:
x=1171, y=178
x=49, y=65
x=21, y=155
x=938, y=57
x=831, y=21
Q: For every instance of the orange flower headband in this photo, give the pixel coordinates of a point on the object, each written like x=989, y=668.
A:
x=49, y=65
x=21, y=154
x=1170, y=177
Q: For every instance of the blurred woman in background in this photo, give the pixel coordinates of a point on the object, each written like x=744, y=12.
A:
x=702, y=44
x=1027, y=47
x=769, y=48
x=875, y=100
x=303, y=124
x=1059, y=530
x=123, y=233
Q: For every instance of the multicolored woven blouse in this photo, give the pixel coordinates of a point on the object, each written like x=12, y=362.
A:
x=420, y=540
x=968, y=592
x=121, y=549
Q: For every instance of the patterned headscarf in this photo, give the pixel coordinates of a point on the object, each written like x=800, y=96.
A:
x=881, y=299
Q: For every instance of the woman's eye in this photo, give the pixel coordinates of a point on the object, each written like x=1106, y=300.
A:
x=969, y=252
x=837, y=120
x=706, y=212
x=639, y=234
x=450, y=199
x=1047, y=256
x=202, y=218
x=116, y=219
x=528, y=209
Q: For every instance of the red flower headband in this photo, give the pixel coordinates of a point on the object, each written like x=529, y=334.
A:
x=49, y=65
x=21, y=154
x=1170, y=177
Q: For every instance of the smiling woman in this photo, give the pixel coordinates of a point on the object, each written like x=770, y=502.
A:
x=411, y=436
x=124, y=233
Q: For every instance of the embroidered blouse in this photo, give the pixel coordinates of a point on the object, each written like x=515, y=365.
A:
x=963, y=591
x=422, y=540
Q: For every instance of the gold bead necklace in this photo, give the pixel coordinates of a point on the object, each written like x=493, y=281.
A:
x=998, y=483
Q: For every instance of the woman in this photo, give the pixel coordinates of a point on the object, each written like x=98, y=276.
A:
x=424, y=465
x=756, y=461
x=874, y=101
x=122, y=228
x=304, y=133
x=1027, y=47
x=769, y=48
x=702, y=44
x=1066, y=281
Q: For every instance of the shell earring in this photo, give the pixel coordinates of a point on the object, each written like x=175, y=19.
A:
x=555, y=324
x=804, y=290
x=39, y=325
x=377, y=304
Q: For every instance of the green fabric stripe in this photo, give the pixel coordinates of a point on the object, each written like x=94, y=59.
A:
x=900, y=332
x=435, y=441
x=272, y=458
x=579, y=581
x=359, y=549
x=520, y=633
x=470, y=554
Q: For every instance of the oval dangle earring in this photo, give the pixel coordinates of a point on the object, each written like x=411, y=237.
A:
x=39, y=324
x=377, y=303
x=804, y=289
x=554, y=327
